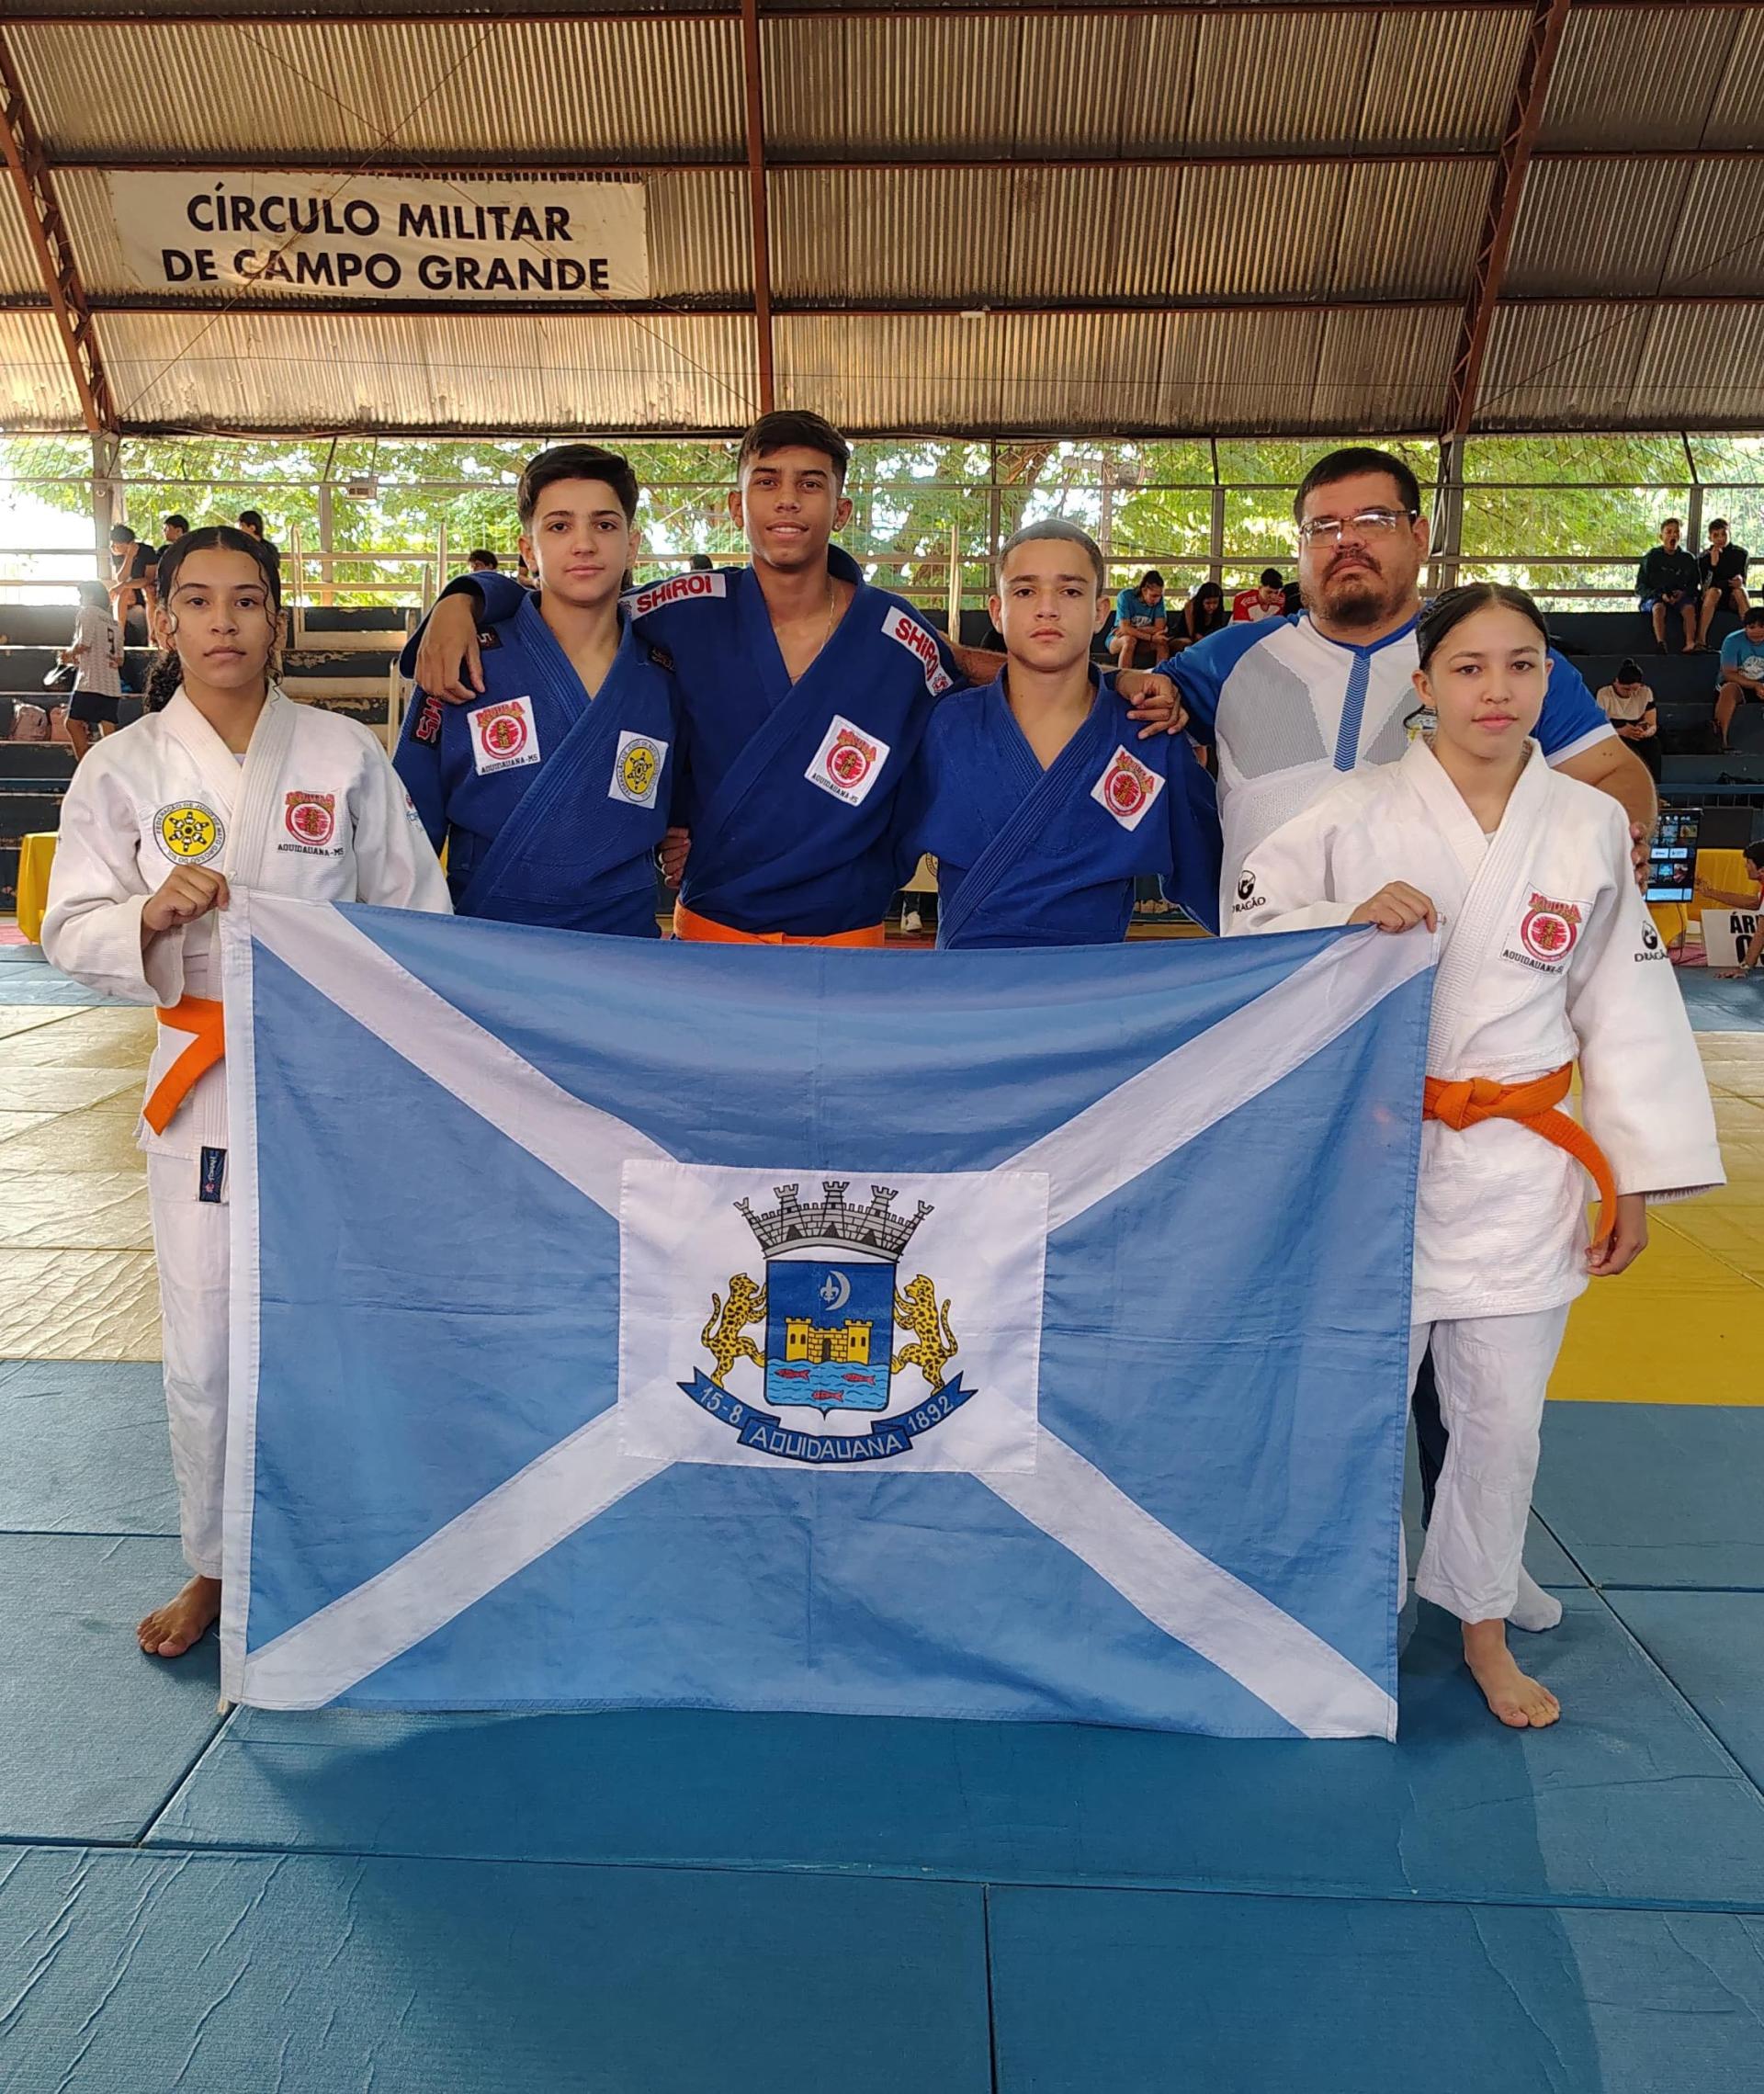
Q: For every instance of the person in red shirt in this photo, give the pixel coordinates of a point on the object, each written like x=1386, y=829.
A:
x=1268, y=600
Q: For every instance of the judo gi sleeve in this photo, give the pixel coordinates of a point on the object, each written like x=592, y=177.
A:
x=1286, y=881
x=497, y=597
x=395, y=864
x=1644, y=1095
x=92, y=928
x=418, y=764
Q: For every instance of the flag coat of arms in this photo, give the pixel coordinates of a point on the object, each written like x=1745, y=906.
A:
x=1016, y=1335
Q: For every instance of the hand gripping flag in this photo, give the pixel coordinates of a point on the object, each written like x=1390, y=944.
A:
x=1013, y=1335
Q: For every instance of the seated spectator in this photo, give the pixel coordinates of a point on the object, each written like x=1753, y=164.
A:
x=251, y=521
x=1204, y=612
x=1628, y=705
x=174, y=526
x=482, y=560
x=133, y=587
x=1742, y=671
x=1267, y=600
x=1666, y=584
x=1141, y=635
x=1721, y=574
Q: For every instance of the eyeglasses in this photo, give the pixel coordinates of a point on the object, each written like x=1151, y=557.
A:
x=1366, y=524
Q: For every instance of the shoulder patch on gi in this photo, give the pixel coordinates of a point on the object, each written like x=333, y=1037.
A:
x=661, y=659
x=1546, y=935
x=848, y=762
x=905, y=629
x=310, y=822
x=428, y=722
x=504, y=736
x=1126, y=787
x=694, y=587
x=190, y=833
x=637, y=769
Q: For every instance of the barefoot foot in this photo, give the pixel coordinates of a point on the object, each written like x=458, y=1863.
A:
x=171, y=1630
x=1520, y=1702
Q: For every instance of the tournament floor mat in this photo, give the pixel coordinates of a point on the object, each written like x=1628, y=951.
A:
x=1658, y=1496
x=227, y=1974
x=1121, y=1992
x=1711, y=1646
x=29, y=979
x=96, y=1736
x=77, y=1305
x=86, y=1449
x=1629, y=1800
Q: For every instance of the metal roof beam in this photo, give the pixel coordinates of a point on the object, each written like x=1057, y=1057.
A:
x=753, y=101
x=47, y=231
x=290, y=12
x=1530, y=90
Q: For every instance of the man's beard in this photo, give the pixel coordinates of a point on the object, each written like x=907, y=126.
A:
x=1359, y=597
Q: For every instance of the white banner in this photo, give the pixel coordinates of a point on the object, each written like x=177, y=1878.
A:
x=373, y=237
x=1727, y=935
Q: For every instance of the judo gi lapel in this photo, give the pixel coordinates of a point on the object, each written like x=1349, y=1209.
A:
x=1487, y=903
x=245, y=793
x=575, y=766
x=1044, y=794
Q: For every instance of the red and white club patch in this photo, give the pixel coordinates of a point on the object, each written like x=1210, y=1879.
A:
x=1127, y=789
x=1548, y=930
x=848, y=762
x=311, y=819
x=503, y=735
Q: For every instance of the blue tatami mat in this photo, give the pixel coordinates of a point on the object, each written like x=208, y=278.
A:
x=1657, y=1494
x=27, y=978
x=86, y=1449
x=1630, y=1800
x=1123, y=1992
x=212, y=1974
x=1718, y=1006
x=1711, y=1646
x=94, y=1737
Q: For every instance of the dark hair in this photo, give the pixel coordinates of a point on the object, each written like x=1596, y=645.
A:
x=1056, y=528
x=248, y=516
x=1720, y=524
x=1754, y=852
x=93, y=594
x=701, y=563
x=1349, y=463
x=1629, y=672
x=788, y=430
x=167, y=672
x=1677, y=523
x=1149, y=577
x=575, y=462
x=481, y=556
x=175, y=522
x=1213, y=589
x=1446, y=612
x=1271, y=578
x=1754, y=615
x=121, y=535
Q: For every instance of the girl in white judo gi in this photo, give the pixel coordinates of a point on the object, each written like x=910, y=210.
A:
x=225, y=782
x=1547, y=958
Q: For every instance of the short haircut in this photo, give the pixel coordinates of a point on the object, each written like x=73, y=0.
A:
x=481, y=556
x=1349, y=463
x=1271, y=578
x=1755, y=852
x=788, y=430
x=1149, y=577
x=175, y=522
x=1720, y=524
x=1755, y=616
x=1449, y=611
x=94, y=595
x=1629, y=672
x=1671, y=523
x=575, y=462
x=121, y=535
x=1056, y=528
x=250, y=519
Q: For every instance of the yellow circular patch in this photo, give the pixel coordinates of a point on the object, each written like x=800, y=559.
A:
x=637, y=770
x=189, y=833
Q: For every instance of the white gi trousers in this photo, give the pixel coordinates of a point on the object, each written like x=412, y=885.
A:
x=190, y=1245
x=1493, y=1372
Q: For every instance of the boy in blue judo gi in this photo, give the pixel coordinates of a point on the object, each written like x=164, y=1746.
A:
x=1035, y=794
x=552, y=788
x=804, y=693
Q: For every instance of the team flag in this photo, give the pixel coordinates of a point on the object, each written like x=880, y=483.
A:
x=1001, y=1334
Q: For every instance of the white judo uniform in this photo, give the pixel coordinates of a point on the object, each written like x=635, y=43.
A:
x=1547, y=956
x=316, y=811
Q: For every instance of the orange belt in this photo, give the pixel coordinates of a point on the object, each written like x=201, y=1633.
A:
x=707, y=931
x=200, y=1017
x=1533, y=1104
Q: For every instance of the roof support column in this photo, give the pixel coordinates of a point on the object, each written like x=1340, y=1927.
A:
x=29, y=166
x=755, y=99
x=1542, y=41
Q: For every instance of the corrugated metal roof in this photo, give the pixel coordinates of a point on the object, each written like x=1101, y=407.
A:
x=1702, y=367
x=18, y=269
x=1633, y=76
x=1598, y=225
x=445, y=372
x=1562, y=366
x=35, y=386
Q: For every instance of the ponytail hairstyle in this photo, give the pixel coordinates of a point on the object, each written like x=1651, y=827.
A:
x=167, y=672
x=1447, y=612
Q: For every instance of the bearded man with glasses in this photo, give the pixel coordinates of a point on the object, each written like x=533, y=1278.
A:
x=1292, y=702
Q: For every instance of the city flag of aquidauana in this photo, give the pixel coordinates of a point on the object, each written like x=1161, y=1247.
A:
x=995, y=1334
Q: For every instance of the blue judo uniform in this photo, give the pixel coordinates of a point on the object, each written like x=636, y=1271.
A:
x=550, y=803
x=790, y=790
x=1034, y=857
